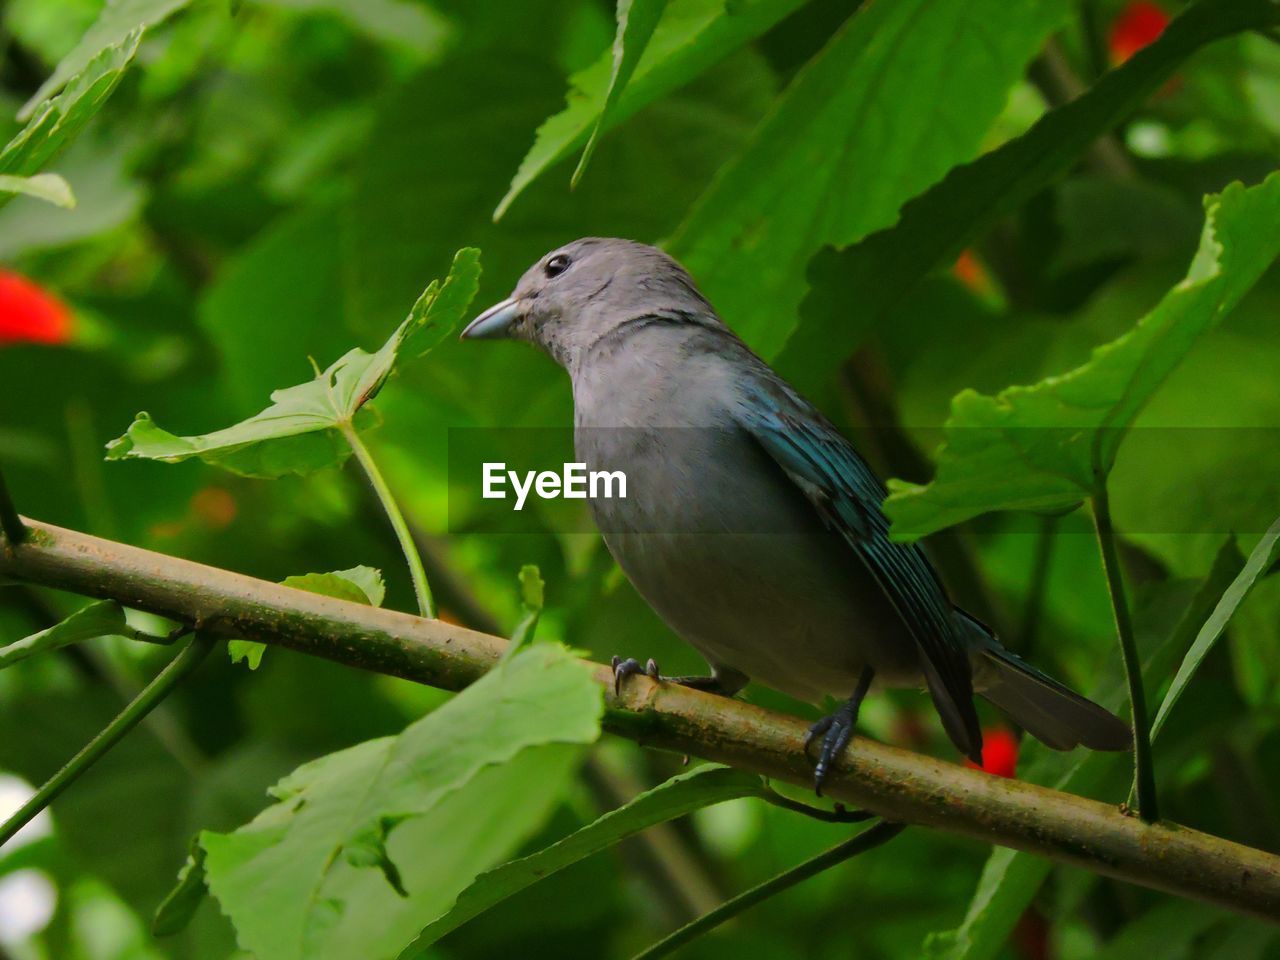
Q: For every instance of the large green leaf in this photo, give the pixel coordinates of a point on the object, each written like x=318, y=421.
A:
x=60, y=120
x=1046, y=446
x=676, y=797
x=1259, y=562
x=43, y=186
x=432, y=807
x=636, y=22
x=302, y=430
x=852, y=290
x=691, y=37
x=118, y=21
x=902, y=93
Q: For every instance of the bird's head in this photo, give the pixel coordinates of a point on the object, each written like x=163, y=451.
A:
x=585, y=290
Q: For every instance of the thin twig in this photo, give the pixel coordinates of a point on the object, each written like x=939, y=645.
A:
x=1144, y=766
x=164, y=683
x=838, y=815
x=14, y=530
x=426, y=604
x=868, y=839
x=1037, y=586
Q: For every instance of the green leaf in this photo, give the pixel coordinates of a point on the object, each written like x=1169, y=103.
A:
x=101, y=619
x=1259, y=562
x=119, y=20
x=177, y=909
x=853, y=290
x=358, y=585
x=531, y=587
x=1045, y=447
x=692, y=36
x=454, y=793
x=60, y=120
x=42, y=186
x=248, y=652
x=682, y=794
x=302, y=431
x=900, y=94
x=636, y=22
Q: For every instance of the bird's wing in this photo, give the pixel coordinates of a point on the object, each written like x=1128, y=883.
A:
x=847, y=495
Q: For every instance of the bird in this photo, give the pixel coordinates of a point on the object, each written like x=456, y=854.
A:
x=750, y=524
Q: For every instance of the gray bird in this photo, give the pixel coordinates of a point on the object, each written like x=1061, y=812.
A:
x=750, y=524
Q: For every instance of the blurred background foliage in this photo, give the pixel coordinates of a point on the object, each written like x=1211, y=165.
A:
x=275, y=179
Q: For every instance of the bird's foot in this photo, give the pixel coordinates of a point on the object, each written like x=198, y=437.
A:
x=630, y=667
x=835, y=731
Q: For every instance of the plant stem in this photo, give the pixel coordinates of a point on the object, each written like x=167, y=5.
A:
x=10, y=522
x=146, y=701
x=426, y=603
x=1144, y=768
x=871, y=837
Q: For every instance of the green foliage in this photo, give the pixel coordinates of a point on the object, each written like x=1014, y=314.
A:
x=56, y=122
x=431, y=808
x=258, y=182
x=1048, y=446
x=400, y=23
x=636, y=22
x=119, y=21
x=864, y=115
x=676, y=797
x=1010, y=880
x=45, y=186
x=100, y=619
x=876, y=273
x=531, y=600
x=1260, y=560
x=691, y=37
x=303, y=429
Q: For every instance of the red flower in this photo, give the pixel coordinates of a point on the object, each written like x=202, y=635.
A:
x=1137, y=26
x=999, y=752
x=29, y=313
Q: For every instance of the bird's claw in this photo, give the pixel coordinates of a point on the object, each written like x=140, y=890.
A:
x=835, y=731
x=630, y=667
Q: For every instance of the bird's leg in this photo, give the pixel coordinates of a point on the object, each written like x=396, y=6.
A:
x=836, y=730
x=722, y=681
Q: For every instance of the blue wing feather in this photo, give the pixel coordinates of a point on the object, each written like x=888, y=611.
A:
x=847, y=495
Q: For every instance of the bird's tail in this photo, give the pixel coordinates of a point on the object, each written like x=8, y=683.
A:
x=1054, y=714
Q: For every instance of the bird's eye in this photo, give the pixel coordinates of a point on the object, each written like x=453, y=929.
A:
x=557, y=265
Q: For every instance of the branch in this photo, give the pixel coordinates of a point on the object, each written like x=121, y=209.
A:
x=894, y=783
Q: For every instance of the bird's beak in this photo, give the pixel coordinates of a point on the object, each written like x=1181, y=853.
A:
x=494, y=323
